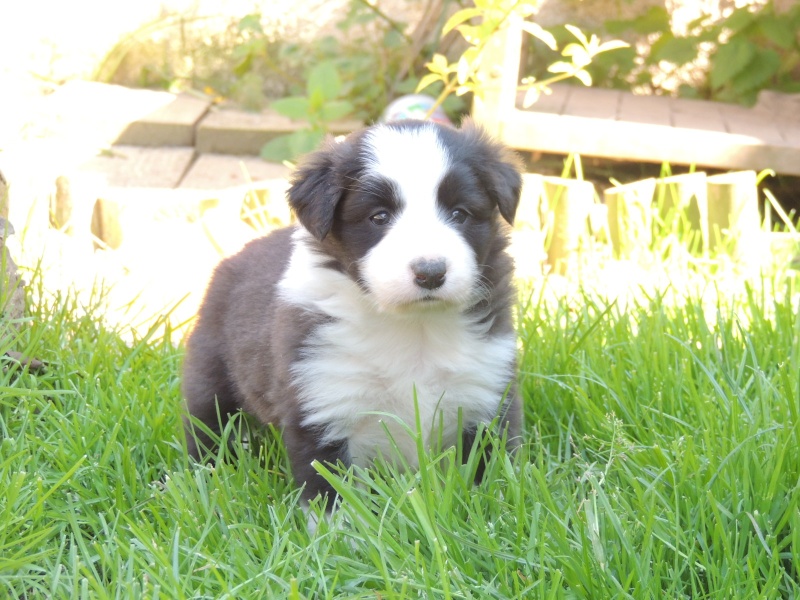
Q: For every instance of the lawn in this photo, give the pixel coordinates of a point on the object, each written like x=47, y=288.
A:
x=661, y=460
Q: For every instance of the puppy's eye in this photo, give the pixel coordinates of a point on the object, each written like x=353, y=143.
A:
x=458, y=215
x=380, y=218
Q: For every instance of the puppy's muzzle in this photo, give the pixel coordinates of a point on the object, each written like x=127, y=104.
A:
x=429, y=274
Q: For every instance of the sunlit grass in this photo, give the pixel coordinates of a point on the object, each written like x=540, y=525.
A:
x=661, y=459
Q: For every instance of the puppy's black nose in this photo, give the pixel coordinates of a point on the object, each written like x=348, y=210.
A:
x=429, y=274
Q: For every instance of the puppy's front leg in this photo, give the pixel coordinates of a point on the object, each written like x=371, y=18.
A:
x=304, y=445
x=510, y=425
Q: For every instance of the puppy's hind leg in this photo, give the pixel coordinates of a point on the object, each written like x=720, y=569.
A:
x=211, y=399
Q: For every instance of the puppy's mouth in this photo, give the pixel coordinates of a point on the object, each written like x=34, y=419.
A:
x=427, y=302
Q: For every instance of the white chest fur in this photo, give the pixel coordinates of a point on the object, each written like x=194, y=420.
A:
x=362, y=371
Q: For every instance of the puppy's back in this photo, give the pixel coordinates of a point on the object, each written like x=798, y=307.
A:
x=227, y=353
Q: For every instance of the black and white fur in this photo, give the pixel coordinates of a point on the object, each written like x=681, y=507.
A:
x=395, y=284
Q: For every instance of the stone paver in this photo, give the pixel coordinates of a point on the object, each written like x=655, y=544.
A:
x=240, y=132
x=134, y=166
x=100, y=113
x=172, y=124
x=217, y=171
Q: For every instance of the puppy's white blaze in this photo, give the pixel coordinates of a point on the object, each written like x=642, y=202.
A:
x=414, y=159
x=416, y=162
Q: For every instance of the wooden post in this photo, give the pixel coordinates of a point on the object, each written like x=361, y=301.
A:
x=527, y=237
x=630, y=218
x=567, y=203
x=500, y=72
x=61, y=205
x=106, y=226
x=682, y=204
x=733, y=216
x=4, y=204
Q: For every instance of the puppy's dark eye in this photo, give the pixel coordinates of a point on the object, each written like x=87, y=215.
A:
x=380, y=218
x=458, y=215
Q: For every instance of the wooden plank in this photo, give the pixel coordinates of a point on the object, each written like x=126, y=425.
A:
x=790, y=134
x=554, y=101
x=745, y=121
x=598, y=104
x=697, y=114
x=654, y=110
x=564, y=134
x=614, y=124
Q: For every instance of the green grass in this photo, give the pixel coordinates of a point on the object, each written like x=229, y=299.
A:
x=661, y=460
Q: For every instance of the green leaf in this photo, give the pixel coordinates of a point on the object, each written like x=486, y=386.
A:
x=294, y=107
x=540, y=34
x=472, y=34
x=618, y=26
x=277, y=149
x=291, y=146
x=561, y=67
x=676, y=50
x=778, y=30
x=428, y=80
x=532, y=95
x=612, y=45
x=583, y=77
x=464, y=70
x=338, y=109
x=578, y=34
x=580, y=56
x=739, y=20
x=305, y=141
x=324, y=80
x=394, y=40
x=438, y=64
x=251, y=23
x=729, y=60
x=243, y=64
x=460, y=17
x=764, y=65
x=656, y=19
x=315, y=102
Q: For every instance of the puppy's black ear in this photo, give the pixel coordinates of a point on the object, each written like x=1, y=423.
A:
x=315, y=190
x=498, y=169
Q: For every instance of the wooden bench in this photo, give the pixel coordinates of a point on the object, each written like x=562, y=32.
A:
x=620, y=125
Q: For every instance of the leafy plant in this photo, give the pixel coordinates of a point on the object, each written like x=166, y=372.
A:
x=465, y=74
x=322, y=104
x=729, y=59
x=373, y=60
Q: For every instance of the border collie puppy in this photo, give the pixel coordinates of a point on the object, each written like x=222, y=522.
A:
x=395, y=285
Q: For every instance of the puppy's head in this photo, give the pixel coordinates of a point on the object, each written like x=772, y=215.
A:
x=409, y=210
